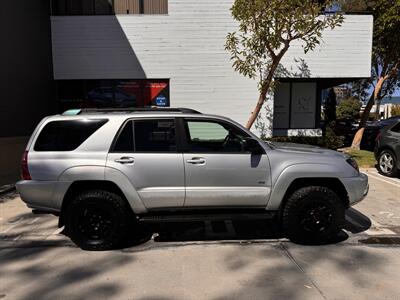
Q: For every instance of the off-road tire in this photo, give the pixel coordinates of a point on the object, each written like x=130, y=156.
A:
x=393, y=172
x=118, y=215
x=303, y=200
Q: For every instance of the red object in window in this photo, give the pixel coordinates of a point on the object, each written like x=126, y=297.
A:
x=24, y=167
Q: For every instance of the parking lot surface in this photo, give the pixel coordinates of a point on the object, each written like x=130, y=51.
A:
x=207, y=260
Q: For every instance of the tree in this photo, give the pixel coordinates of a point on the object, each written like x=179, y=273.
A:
x=395, y=110
x=385, y=54
x=349, y=108
x=266, y=30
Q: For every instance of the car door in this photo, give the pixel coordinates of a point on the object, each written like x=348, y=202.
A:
x=393, y=139
x=146, y=152
x=219, y=172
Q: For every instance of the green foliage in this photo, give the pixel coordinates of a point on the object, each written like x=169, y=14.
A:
x=266, y=28
x=395, y=110
x=365, y=159
x=385, y=46
x=331, y=140
x=349, y=108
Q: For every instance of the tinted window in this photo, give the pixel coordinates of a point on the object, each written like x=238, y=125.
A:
x=125, y=139
x=214, y=137
x=107, y=7
x=66, y=135
x=396, y=128
x=155, y=136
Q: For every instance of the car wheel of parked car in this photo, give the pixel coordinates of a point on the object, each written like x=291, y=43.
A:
x=387, y=163
x=98, y=220
x=313, y=214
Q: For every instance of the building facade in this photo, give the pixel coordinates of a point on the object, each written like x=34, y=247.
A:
x=124, y=53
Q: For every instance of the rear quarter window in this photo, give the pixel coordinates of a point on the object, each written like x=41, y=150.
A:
x=66, y=135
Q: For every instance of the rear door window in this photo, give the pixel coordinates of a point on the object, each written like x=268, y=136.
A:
x=66, y=135
x=155, y=135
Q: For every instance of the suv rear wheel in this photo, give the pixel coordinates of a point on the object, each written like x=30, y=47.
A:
x=313, y=214
x=387, y=163
x=98, y=220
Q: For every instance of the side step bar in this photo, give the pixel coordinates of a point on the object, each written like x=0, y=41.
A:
x=165, y=218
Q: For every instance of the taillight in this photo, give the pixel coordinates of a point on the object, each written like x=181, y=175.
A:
x=24, y=167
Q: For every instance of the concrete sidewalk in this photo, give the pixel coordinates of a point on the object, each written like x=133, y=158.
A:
x=266, y=270
x=191, y=261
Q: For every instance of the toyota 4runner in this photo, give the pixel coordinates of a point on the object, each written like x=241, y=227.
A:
x=106, y=172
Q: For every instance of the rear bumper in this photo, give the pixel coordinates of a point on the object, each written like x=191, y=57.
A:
x=357, y=188
x=43, y=195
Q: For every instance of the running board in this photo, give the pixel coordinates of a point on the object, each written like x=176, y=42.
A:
x=166, y=218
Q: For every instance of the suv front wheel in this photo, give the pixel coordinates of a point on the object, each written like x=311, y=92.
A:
x=97, y=220
x=313, y=214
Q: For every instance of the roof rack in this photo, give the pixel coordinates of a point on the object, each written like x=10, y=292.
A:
x=129, y=110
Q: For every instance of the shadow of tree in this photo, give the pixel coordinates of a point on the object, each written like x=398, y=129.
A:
x=280, y=270
x=297, y=276
x=43, y=271
x=8, y=196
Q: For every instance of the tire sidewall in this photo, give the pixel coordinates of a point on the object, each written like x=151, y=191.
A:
x=394, y=171
x=304, y=197
x=102, y=200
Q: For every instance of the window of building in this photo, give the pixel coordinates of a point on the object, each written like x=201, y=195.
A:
x=112, y=93
x=155, y=136
x=214, y=137
x=296, y=105
x=66, y=135
x=108, y=7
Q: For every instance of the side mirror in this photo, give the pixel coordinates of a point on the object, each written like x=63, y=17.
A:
x=253, y=146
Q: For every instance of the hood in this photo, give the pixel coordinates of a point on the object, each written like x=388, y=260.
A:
x=306, y=149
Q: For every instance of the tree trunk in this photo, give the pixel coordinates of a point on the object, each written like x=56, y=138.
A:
x=378, y=108
x=265, y=85
x=257, y=109
x=361, y=127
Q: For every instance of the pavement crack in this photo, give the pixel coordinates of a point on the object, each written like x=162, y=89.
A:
x=290, y=256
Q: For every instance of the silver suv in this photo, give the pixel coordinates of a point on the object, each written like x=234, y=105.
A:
x=106, y=172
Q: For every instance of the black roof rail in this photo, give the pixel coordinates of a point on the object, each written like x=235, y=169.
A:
x=130, y=110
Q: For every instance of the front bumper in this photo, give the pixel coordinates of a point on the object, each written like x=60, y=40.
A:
x=357, y=188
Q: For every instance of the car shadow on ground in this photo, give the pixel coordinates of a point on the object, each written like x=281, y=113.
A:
x=235, y=230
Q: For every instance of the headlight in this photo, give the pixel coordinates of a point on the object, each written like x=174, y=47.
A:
x=353, y=163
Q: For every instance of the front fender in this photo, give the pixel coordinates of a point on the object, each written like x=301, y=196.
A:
x=293, y=172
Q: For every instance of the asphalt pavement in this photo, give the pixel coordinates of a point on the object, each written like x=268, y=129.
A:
x=207, y=260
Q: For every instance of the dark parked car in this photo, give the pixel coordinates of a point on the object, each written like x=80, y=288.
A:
x=344, y=127
x=109, y=97
x=372, y=130
x=387, y=150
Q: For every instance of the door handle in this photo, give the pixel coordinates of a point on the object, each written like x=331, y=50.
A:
x=196, y=161
x=125, y=160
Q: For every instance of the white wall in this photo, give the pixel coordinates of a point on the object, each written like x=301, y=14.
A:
x=187, y=46
x=344, y=52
